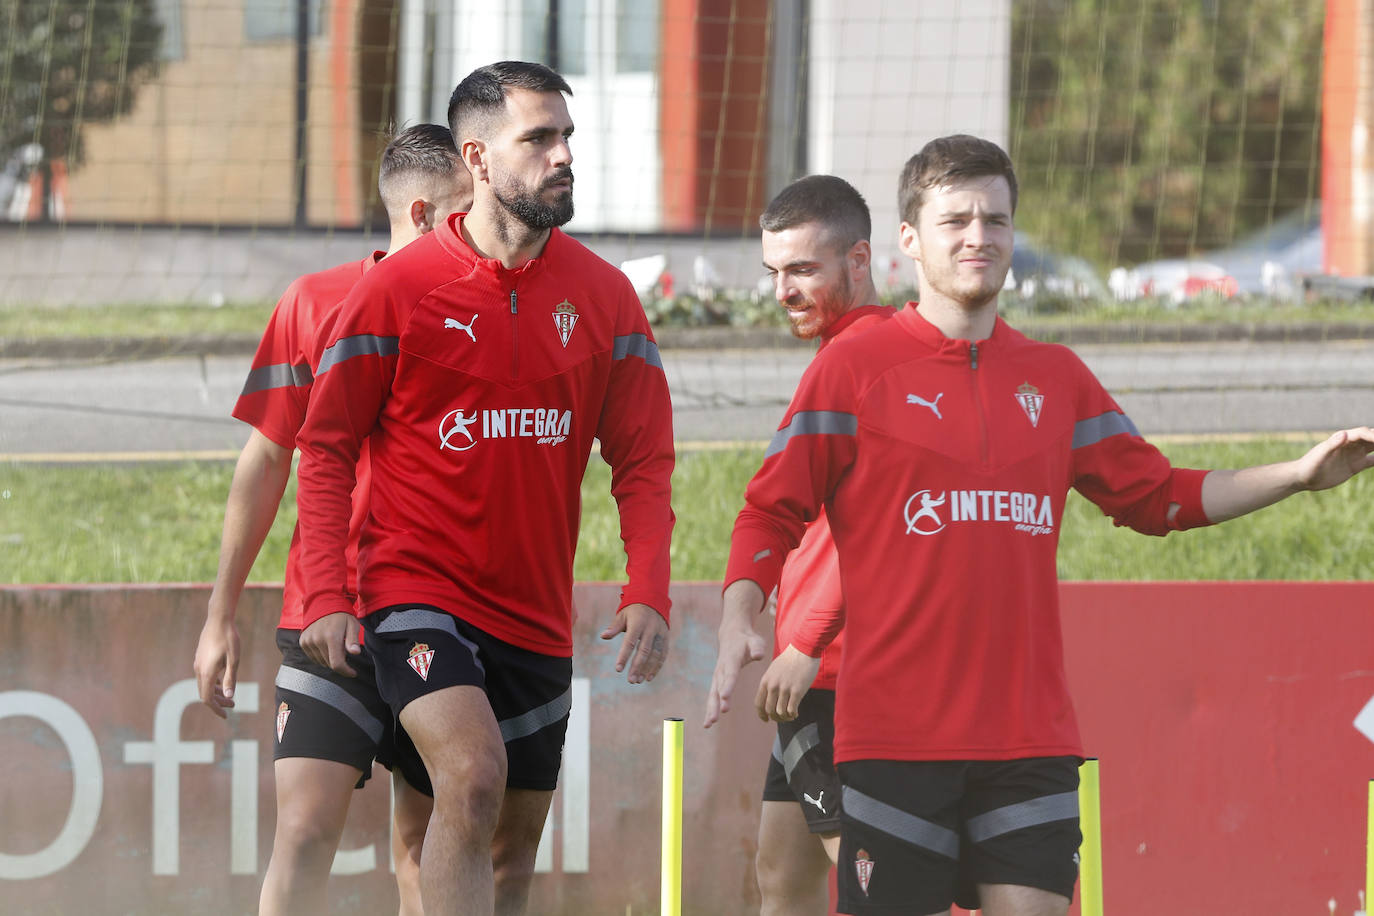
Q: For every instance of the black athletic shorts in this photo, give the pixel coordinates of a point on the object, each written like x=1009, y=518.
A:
x=419, y=649
x=801, y=768
x=327, y=716
x=917, y=836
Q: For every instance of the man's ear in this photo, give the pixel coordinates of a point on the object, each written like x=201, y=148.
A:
x=860, y=259
x=421, y=215
x=909, y=242
x=474, y=155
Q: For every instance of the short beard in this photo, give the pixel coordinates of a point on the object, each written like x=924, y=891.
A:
x=533, y=212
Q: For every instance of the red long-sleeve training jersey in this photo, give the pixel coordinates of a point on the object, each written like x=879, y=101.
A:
x=482, y=389
x=810, y=579
x=277, y=390
x=943, y=466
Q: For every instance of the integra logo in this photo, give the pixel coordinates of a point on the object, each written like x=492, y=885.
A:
x=546, y=426
x=926, y=512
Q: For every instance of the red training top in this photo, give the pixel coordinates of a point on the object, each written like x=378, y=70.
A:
x=482, y=389
x=944, y=466
x=277, y=389
x=811, y=576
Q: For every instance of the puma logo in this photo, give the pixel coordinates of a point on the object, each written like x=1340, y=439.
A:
x=818, y=801
x=933, y=405
x=465, y=328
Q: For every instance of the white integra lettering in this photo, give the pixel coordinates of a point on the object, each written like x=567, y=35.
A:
x=1026, y=510
x=548, y=425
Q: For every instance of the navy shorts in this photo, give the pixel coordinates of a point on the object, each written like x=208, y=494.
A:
x=327, y=716
x=917, y=836
x=801, y=768
x=419, y=649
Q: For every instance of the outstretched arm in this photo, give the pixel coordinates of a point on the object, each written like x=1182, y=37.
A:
x=260, y=478
x=1230, y=494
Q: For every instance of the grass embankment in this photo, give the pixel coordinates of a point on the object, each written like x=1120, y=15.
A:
x=161, y=523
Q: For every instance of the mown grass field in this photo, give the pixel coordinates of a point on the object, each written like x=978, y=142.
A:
x=161, y=523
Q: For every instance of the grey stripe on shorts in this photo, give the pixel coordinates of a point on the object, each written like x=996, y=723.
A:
x=527, y=723
x=421, y=618
x=801, y=742
x=1031, y=813
x=895, y=822
x=331, y=694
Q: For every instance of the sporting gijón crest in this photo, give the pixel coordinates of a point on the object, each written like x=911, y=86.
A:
x=1031, y=400
x=283, y=713
x=863, y=870
x=565, y=319
x=420, y=658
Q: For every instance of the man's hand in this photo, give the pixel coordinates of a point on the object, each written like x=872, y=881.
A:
x=646, y=641
x=738, y=645
x=1336, y=460
x=217, y=664
x=330, y=640
x=784, y=684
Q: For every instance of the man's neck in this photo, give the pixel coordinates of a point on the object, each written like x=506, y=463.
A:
x=494, y=233
x=956, y=321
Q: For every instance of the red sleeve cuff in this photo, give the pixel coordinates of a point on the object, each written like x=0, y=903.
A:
x=1185, y=489
x=761, y=565
x=321, y=607
x=659, y=601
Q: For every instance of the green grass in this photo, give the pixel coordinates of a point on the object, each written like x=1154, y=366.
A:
x=23, y=323
x=161, y=522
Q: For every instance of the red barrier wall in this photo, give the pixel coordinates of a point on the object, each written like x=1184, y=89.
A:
x=1233, y=779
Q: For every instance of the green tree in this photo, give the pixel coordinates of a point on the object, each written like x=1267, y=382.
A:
x=1153, y=128
x=67, y=63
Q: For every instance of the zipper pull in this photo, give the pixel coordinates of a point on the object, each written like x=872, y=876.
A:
x=512, y=302
x=972, y=348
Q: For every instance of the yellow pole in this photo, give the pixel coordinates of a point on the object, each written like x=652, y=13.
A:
x=1369, y=852
x=1090, y=853
x=670, y=900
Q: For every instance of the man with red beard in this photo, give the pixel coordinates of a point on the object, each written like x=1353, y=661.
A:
x=816, y=249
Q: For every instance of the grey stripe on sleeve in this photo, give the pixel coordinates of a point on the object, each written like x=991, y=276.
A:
x=1024, y=814
x=895, y=822
x=277, y=375
x=331, y=694
x=1095, y=429
x=813, y=422
x=528, y=723
x=346, y=348
x=636, y=345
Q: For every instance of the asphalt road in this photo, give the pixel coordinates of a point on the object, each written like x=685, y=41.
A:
x=55, y=408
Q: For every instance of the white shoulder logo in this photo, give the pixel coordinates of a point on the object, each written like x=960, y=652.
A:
x=465, y=328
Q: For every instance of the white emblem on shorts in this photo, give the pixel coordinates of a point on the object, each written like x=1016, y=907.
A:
x=818, y=801
x=421, y=657
x=283, y=713
x=863, y=867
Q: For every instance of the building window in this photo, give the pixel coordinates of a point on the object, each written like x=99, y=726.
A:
x=636, y=38
x=275, y=20
x=173, y=45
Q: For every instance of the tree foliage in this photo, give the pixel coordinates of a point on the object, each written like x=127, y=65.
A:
x=1153, y=128
x=67, y=63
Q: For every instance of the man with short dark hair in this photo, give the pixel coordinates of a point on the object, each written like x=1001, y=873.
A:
x=329, y=726
x=816, y=249
x=482, y=363
x=942, y=446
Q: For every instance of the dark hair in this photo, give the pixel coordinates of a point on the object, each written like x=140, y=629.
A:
x=824, y=199
x=424, y=148
x=949, y=159
x=482, y=93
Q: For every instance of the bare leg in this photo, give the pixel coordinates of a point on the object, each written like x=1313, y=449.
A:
x=793, y=865
x=312, y=804
x=457, y=737
x=1015, y=900
x=407, y=841
x=523, y=813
